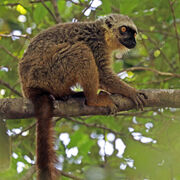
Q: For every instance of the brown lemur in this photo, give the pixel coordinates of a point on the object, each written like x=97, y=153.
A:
x=67, y=54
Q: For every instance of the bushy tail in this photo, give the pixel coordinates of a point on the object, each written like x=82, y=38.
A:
x=46, y=156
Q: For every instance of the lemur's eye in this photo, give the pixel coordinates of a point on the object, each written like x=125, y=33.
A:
x=135, y=34
x=123, y=29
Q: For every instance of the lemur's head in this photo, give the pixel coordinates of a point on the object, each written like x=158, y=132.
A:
x=120, y=31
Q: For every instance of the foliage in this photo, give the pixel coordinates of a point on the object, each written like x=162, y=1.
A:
x=133, y=145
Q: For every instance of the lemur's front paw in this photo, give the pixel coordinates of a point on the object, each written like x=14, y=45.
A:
x=139, y=98
x=113, y=109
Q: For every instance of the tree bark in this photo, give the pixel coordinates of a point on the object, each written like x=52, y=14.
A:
x=17, y=108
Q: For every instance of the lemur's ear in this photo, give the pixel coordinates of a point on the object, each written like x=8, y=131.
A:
x=108, y=23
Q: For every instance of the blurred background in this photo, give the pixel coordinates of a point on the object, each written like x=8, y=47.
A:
x=132, y=145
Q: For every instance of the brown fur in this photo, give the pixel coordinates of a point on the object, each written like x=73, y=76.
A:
x=62, y=56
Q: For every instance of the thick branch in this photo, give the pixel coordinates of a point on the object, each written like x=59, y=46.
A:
x=23, y=108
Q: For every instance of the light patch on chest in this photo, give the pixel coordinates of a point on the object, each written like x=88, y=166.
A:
x=114, y=44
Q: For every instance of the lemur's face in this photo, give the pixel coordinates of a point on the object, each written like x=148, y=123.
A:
x=127, y=36
x=120, y=32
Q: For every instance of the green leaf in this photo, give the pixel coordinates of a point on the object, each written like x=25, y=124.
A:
x=157, y=53
x=39, y=13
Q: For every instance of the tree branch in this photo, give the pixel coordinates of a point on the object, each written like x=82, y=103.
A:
x=95, y=125
x=58, y=18
x=83, y=4
x=167, y=61
x=153, y=70
x=10, y=4
x=8, y=52
x=32, y=170
x=23, y=108
x=9, y=87
x=70, y=175
x=160, y=31
x=37, y=1
x=11, y=35
x=29, y=173
x=50, y=12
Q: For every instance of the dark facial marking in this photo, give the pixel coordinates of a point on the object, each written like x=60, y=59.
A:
x=127, y=37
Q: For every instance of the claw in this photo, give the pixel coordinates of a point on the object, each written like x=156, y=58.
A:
x=143, y=100
x=139, y=100
x=113, y=110
x=140, y=103
x=143, y=94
